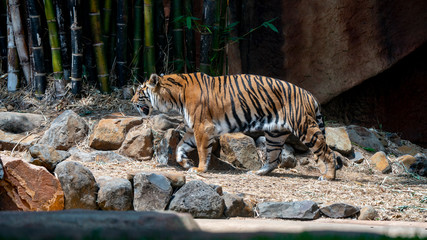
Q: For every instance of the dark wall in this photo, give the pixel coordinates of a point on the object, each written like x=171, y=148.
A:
x=395, y=100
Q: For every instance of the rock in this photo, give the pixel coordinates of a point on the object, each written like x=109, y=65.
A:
x=47, y=156
x=239, y=150
x=138, y=144
x=357, y=158
x=166, y=148
x=198, y=199
x=115, y=194
x=381, y=162
x=27, y=187
x=236, y=206
x=164, y=122
x=287, y=156
x=84, y=224
x=339, y=210
x=367, y=213
x=98, y=156
x=300, y=210
x=65, y=131
x=18, y=142
x=406, y=160
x=109, y=134
x=79, y=185
x=216, y=188
x=177, y=180
x=151, y=192
x=338, y=140
x=14, y=122
x=1, y=170
x=420, y=166
x=409, y=148
x=364, y=138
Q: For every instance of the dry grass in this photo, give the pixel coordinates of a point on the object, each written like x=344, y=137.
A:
x=396, y=196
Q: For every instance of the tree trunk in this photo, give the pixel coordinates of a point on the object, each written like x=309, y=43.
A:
x=206, y=36
x=37, y=48
x=64, y=36
x=122, y=39
x=20, y=41
x=178, y=36
x=138, y=49
x=76, y=48
x=233, y=49
x=149, y=57
x=98, y=45
x=12, y=59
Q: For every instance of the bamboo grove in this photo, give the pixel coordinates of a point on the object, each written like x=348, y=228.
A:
x=64, y=44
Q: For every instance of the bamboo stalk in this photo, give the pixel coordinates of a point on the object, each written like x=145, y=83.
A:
x=106, y=26
x=149, y=57
x=206, y=35
x=3, y=36
x=37, y=48
x=189, y=39
x=12, y=58
x=122, y=38
x=64, y=36
x=137, y=40
x=89, y=55
x=20, y=41
x=55, y=47
x=98, y=45
x=160, y=38
x=76, y=48
x=178, y=35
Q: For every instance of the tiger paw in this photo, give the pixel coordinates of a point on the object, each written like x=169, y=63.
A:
x=196, y=170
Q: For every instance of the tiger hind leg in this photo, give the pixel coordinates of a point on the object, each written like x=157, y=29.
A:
x=274, y=144
x=316, y=141
x=185, y=146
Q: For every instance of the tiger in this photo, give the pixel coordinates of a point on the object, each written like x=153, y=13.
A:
x=212, y=106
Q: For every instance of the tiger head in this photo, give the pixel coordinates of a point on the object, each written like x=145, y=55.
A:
x=142, y=100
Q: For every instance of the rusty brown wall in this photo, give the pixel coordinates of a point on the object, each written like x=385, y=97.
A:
x=329, y=46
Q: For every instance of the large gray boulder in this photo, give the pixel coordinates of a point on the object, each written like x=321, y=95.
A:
x=47, y=156
x=364, y=138
x=66, y=130
x=300, y=210
x=198, y=199
x=151, y=192
x=114, y=194
x=14, y=122
x=79, y=185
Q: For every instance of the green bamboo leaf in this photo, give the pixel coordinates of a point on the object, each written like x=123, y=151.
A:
x=271, y=26
x=189, y=22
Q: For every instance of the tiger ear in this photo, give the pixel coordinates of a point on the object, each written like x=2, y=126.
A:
x=153, y=81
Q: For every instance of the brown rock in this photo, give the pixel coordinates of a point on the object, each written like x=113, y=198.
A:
x=367, y=213
x=47, y=156
x=177, y=179
x=338, y=139
x=240, y=150
x=381, y=162
x=138, y=144
x=19, y=142
x=29, y=188
x=109, y=134
x=407, y=160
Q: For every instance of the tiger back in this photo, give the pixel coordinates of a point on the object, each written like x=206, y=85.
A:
x=212, y=106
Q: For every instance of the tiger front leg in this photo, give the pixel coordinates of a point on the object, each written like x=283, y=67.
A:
x=185, y=146
x=204, y=135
